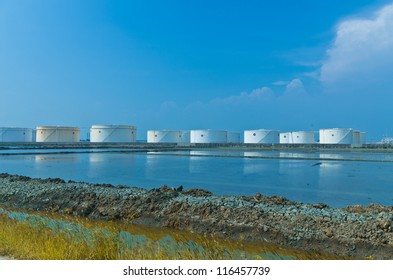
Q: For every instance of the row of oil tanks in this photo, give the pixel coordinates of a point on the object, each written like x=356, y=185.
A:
x=192, y=136
x=127, y=134
x=115, y=134
x=66, y=134
x=259, y=136
x=326, y=136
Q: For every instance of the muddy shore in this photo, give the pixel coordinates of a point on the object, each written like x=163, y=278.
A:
x=355, y=231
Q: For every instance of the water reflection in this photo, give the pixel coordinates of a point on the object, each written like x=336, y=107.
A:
x=295, y=155
x=44, y=158
x=253, y=154
x=334, y=178
x=198, y=163
x=96, y=158
x=114, y=168
x=333, y=156
x=64, y=166
x=258, y=166
x=152, y=166
x=200, y=153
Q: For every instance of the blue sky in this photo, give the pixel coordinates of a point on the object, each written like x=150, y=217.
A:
x=287, y=65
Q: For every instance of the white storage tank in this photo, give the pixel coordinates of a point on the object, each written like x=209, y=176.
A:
x=34, y=138
x=362, y=137
x=57, y=134
x=164, y=136
x=208, y=136
x=16, y=134
x=302, y=137
x=297, y=137
x=233, y=137
x=284, y=137
x=262, y=136
x=185, y=137
x=355, y=137
x=335, y=136
x=112, y=134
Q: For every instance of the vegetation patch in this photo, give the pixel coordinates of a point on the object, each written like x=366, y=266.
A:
x=47, y=236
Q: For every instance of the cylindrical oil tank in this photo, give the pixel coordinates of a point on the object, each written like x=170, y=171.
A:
x=16, y=134
x=233, y=137
x=302, y=137
x=151, y=136
x=57, y=134
x=262, y=136
x=297, y=137
x=335, y=136
x=34, y=138
x=362, y=137
x=164, y=136
x=112, y=134
x=208, y=136
x=284, y=137
x=355, y=137
x=185, y=137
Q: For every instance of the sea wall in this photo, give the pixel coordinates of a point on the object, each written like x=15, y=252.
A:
x=354, y=231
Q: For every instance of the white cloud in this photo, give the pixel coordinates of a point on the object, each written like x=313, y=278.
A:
x=362, y=51
x=168, y=106
x=257, y=95
x=280, y=83
x=295, y=87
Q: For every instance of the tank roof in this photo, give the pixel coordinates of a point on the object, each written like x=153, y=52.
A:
x=58, y=127
x=96, y=126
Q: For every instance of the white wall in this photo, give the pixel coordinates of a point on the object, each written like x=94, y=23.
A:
x=14, y=134
x=57, y=134
x=208, y=136
x=112, y=134
x=262, y=136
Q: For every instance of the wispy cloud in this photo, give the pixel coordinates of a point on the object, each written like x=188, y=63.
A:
x=280, y=83
x=262, y=96
x=295, y=87
x=257, y=95
x=168, y=106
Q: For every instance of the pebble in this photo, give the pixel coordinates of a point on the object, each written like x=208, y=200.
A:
x=294, y=220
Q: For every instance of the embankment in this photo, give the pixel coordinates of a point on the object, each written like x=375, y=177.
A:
x=355, y=231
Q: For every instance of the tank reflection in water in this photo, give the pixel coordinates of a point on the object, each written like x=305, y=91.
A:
x=333, y=178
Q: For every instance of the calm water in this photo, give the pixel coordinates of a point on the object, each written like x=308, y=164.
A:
x=338, y=179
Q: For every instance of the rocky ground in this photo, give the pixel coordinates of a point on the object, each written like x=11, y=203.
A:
x=354, y=231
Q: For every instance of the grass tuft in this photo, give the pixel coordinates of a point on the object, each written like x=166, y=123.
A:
x=47, y=236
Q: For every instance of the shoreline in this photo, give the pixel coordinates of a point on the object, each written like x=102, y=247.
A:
x=375, y=147
x=358, y=232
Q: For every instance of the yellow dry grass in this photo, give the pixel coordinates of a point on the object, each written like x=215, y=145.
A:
x=86, y=239
x=22, y=240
